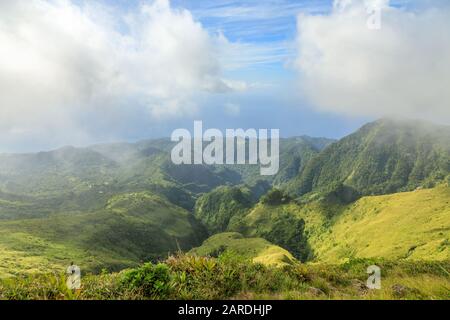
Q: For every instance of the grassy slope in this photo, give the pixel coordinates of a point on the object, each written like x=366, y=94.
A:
x=412, y=225
x=262, y=221
x=133, y=227
x=257, y=249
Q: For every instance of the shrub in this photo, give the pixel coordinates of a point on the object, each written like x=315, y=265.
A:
x=275, y=197
x=288, y=232
x=153, y=280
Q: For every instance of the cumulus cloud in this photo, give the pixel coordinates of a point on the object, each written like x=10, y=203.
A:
x=59, y=60
x=401, y=69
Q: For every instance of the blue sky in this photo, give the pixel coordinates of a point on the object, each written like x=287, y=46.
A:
x=268, y=28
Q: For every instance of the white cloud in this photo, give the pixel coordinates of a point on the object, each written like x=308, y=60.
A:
x=401, y=69
x=58, y=60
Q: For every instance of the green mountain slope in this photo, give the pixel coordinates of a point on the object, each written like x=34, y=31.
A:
x=295, y=153
x=83, y=179
x=218, y=208
x=225, y=206
x=256, y=249
x=287, y=225
x=412, y=225
x=114, y=205
x=383, y=157
x=131, y=228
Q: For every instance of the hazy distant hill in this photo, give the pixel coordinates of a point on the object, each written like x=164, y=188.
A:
x=83, y=179
x=64, y=204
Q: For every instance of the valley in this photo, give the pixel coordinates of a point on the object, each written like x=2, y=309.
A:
x=381, y=193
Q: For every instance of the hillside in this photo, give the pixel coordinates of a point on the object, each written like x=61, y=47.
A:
x=225, y=205
x=295, y=153
x=256, y=249
x=83, y=179
x=131, y=228
x=116, y=205
x=79, y=204
x=383, y=157
x=411, y=225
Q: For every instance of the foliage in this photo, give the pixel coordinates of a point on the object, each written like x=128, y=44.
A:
x=411, y=225
x=219, y=207
x=383, y=157
x=256, y=249
x=152, y=280
x=231, y=276
x=288, y=232
x=275, y=197
x=114, y=206
x=133, y=227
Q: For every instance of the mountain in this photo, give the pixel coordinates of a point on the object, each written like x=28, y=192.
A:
x=383, y=157
x=115, y=205
x=81, y=179
x=218, y=208
x=285, y=224
x=132, y=227
x=257, y=249
x=411, y=225
x=295, y=153
x=224, y=206
x=402, y=226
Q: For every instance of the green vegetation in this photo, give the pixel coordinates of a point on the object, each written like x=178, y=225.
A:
x=152, y=280
x=412, y=225
x=218, y=208
x=383, y=157
x=379, y=196
x=132, y=228
x=232, y=277
x=283, y=225
x=295, y=153
x=275, y=197
x=256, y=249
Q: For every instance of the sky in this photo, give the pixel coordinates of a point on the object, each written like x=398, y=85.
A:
x=77, y=72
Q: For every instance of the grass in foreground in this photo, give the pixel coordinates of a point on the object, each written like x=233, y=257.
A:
x=234, y=277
